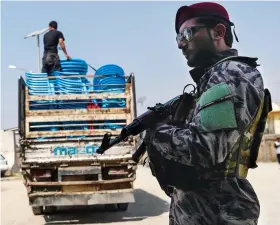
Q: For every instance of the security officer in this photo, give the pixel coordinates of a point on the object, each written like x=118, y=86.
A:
x=204, y=163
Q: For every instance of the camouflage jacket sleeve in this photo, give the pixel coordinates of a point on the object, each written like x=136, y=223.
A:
x=229, y=101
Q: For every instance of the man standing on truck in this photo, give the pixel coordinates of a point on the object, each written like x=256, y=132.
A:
x=52, y=38
x=208, y=158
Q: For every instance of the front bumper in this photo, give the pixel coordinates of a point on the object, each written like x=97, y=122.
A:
x=82, y=198
x=3, y=168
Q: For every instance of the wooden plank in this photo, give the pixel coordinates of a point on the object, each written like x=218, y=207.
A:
x=81, y=182
x=129, y=115
x=120, y=159
x=58, y=112
x=82, y=117
x=96, y=187
x=75, y=96
x=128, y=102
x=62, y=140
x=77, y=125
x=63, y=133
x=26, y=110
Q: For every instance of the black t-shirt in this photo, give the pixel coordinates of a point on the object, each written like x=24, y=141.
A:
x=51, y=40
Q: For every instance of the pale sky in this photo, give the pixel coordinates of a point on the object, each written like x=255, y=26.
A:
x=139, y=36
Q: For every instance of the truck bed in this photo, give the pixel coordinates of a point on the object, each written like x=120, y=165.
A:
x=72, y=134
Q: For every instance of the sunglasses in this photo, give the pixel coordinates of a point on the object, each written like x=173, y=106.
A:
x=187, y=34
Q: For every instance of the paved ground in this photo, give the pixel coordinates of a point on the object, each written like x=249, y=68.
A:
x=151, y=205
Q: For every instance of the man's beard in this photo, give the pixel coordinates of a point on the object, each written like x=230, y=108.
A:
x=204, y=57
x=201, y=59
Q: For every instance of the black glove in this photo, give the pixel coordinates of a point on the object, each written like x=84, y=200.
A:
x=184, y=109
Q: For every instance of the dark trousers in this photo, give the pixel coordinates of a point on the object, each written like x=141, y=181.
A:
x=51, y=62
x=278, y=157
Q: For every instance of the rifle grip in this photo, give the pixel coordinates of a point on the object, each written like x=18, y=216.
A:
x=183, y=110
x=137, y=155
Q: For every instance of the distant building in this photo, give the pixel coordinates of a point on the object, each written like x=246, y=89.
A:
x=272, y=131
x=273, y=121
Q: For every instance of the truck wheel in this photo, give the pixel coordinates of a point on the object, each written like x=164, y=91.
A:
x=122, y=206
x=110, y=207
x=50, y=209
x=37, y=210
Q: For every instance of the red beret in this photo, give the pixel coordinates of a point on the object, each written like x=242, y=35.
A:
x=200, y=9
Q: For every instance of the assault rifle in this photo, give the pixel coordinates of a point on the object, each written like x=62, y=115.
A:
x=150, y=118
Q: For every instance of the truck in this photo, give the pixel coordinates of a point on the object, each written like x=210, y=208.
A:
x=59, y=163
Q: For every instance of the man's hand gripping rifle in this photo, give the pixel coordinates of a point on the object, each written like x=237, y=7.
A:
x=150, y=118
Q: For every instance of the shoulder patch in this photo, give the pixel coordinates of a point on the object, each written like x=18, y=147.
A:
x=217, y=109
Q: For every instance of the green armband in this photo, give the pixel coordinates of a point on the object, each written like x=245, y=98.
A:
x=217, y=109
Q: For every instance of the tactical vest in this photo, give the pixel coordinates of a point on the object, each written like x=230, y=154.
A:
x=244, y=155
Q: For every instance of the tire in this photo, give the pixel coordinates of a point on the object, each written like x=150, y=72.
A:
x=37, y=210
x=122, y=206
x=3, y=173
x=50, y=209
x=110, y=207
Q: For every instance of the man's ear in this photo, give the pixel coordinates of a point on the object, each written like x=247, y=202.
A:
x=219, y=31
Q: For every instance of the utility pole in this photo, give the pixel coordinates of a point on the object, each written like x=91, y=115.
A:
x=37, y=34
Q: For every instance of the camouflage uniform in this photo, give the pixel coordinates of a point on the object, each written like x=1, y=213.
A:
x=215, y=141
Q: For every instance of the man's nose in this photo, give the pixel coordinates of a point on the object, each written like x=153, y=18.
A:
x=182, y=44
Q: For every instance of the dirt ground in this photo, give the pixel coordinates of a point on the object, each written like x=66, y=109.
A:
x=151, y=206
